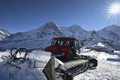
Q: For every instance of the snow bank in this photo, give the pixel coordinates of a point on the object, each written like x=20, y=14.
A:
x=28, y=69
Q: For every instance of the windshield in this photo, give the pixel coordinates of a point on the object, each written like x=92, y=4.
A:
x=77, y=44
x=61, y=43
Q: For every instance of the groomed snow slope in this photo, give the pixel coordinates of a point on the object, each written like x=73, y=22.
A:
x=108, y=67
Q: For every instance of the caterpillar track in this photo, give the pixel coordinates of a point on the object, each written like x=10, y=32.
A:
x=56, y=69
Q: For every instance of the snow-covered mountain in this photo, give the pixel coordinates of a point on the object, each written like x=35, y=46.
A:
x=37, y=38
x=111, y=36
x=3, y=34
x=74, y=31
x=41, y=37
x=111, y=32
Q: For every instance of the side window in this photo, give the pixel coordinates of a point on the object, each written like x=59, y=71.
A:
x=57, y=43
x=72, y=43
x=64, y=43
x=53, y=43
x=77, y=44
x=67, y=43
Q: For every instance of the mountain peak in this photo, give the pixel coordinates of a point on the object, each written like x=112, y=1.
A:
x=76, y=28
x=112, y=27
x=50, y=24
x=111, y=32
x=4, y=33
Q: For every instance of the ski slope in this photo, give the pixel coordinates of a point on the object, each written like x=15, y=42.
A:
x=108, y=66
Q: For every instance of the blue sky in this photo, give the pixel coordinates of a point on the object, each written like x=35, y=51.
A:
x=24, y=15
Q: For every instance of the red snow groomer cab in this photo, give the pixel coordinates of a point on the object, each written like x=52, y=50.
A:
x=64, y=47
x=67, y=49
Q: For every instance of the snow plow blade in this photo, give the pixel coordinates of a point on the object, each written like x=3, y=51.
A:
x=56, y=69
x=49, y=69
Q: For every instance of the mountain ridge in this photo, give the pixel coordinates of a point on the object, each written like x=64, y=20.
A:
x=40, y=37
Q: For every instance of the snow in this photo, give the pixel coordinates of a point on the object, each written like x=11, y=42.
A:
x=3, y=34
x=57, y=62
x=107, y=69
x=100, y=44
x=28, y=71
